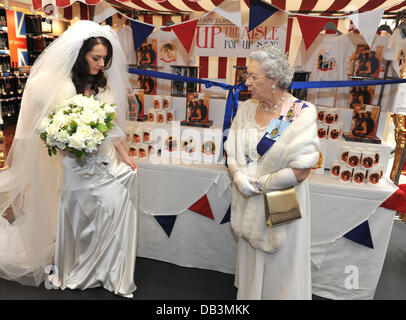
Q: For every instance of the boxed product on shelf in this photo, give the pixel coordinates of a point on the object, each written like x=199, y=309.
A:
x=197, y=110
x=160, y=112
x=359, y=162
x=136, y=104
x=329, y=125
x=174, y=143
x=364, y=124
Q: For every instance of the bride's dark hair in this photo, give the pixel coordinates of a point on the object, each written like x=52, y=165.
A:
x=80, y=71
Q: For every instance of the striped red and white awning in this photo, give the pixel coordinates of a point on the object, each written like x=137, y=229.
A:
x=318, y=6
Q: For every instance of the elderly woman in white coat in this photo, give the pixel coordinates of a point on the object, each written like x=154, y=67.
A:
x=274, y=134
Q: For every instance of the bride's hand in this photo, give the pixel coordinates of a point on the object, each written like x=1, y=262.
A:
x=131, y=163
x=124, y=156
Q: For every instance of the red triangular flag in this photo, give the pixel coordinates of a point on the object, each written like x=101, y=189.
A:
x=310, y=27
x=185, y=32
x=202, y=206
x=397, y=201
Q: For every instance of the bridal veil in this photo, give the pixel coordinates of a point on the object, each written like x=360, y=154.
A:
x=30, y=185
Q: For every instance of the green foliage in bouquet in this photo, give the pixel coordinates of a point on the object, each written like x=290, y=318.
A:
x=78, y=125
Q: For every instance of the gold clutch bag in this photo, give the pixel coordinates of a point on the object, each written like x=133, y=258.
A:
x=281, y=206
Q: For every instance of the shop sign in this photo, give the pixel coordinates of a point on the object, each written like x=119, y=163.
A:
x=216, y=36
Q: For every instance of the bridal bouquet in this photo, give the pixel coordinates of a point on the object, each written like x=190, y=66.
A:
x=77, y=125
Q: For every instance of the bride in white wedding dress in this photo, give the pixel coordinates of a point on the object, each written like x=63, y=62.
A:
x=78, y=216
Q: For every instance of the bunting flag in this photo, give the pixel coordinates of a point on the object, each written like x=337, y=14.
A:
x=311, y=27
x=367, y=23
x=185, y=32
x=397, y=201
x=361, y=234
x=259, y=12
x=231, y=11
x=202, y=206
x=103, y=11
x=141, y=31
x=227, y=216
x=167, y=223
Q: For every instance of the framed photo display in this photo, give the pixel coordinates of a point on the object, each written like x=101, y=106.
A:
x=364, y=124
x=366, y=61
x=147, y=54
x=136, y=105
x=197, y=110
x=360, y=95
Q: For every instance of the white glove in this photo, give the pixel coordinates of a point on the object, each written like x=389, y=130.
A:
x=243, y=184
x=281, y=179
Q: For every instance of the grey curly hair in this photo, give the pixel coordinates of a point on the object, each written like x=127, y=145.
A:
x=275, y=64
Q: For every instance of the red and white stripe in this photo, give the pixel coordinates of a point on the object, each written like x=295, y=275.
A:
x=209, y=5
x=223, y=67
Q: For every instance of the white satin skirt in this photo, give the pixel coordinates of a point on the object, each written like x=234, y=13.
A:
x=96, y=238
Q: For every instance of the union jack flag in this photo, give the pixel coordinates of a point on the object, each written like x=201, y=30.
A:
x=17, y=38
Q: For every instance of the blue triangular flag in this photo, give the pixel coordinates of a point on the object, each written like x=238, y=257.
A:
x=361, y=234
x=141, y=31
x=227, y=216
x=109, y=21
x=167, y=223
x=259, y=12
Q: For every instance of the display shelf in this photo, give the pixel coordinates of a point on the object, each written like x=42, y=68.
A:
x=332, y=150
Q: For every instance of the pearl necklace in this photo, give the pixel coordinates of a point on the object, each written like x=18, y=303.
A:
x=276, y=106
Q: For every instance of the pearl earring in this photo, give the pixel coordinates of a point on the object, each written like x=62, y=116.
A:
x=273, y=89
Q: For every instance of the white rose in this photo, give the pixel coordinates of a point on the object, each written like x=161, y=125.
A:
x=77, y=100
x=63, y=136
x=91, y=145
x=98, y=136
x=43, y=125
x=88, y=116
x=77, y=142
x=53, y=130
x=60, y=119
x=109, y=109
x=101, y=115
x=50, y=142
x=92, y=105
x=85, y=132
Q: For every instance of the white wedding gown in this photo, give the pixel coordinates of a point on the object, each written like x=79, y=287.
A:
x=97, y=226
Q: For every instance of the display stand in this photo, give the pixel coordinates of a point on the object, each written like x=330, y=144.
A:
x=301, y=94
x=241, y=77
x=207, y=124
x=142, y=118
x=350, y=137
x=180, y=88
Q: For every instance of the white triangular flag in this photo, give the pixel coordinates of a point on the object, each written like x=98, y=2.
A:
x=103, y=11
x=367, y=23
x=231, y=11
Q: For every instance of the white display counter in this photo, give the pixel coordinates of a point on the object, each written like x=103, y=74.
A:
x=197, y=241
x=341, y=268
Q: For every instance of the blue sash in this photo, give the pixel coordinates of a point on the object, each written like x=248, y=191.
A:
x=275, y=129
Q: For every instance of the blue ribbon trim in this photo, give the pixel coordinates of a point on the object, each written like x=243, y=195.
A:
x=233, y=94
x=338, y=84
x=232, y=98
